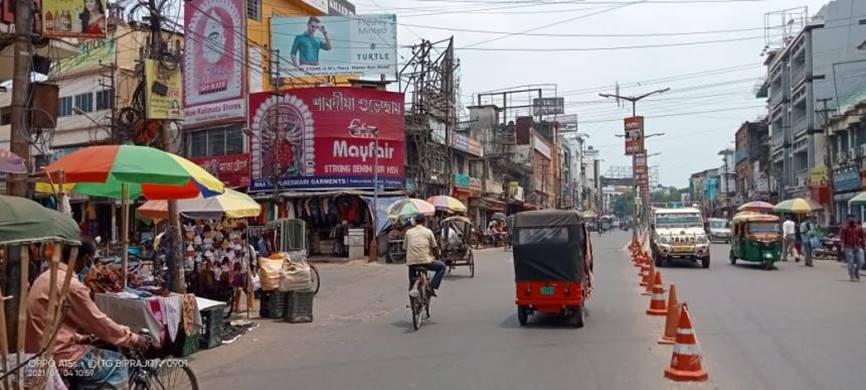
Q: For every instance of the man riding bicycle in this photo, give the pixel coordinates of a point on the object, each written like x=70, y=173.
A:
x=421, y=252
x=82, y=318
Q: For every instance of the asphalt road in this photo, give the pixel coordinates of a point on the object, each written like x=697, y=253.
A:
x=791, y=328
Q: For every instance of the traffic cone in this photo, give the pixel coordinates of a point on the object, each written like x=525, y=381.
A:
x=657, y=306
x=671, y=320
x=686, y=358
x=651, y=280
x=646, y=274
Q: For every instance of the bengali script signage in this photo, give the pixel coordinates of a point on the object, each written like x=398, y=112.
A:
x=232, y=169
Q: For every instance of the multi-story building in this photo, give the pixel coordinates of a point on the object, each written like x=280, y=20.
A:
x=750, y=159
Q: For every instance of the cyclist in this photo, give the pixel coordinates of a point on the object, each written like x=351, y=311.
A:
x=421, y=252
x=72, y=350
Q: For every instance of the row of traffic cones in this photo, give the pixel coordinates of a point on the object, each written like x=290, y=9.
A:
x=686, y=358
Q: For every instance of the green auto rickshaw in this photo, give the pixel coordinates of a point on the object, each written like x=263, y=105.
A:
x=756, y=238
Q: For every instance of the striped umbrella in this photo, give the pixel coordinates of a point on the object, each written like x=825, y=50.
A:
x=797, y=206
x=409, y=207
x=445, y=202
x=11, y=163
x=757, y=206
x=232, y=204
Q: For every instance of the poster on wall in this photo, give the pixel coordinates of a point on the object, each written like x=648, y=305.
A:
x=314, y=138
x=325, y=45
x=163, y=92
x=213, y=61
x=74, y=18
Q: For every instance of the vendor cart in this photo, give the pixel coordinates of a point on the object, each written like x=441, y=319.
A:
x=454, y=236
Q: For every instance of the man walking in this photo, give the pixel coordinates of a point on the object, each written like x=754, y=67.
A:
x=807, y=230
x=853, y=244
x=789, y=229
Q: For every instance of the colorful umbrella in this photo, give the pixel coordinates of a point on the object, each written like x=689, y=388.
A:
x=445, y=202
x=797, y=206
x=859, y=199
x=409, y=207
x=232, y=204
x=757, y=206
x=24, y=221
x=11, y=163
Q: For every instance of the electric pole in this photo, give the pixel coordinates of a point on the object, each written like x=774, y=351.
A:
x=828, y=155
x=20, y=128
x=175, y=261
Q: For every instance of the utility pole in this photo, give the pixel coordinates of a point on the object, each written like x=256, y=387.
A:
x=828, y=155
x=20, y=137
x=175, y=261
x=644, y=196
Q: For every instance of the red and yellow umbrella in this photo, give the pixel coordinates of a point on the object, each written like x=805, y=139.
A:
x=445, y=202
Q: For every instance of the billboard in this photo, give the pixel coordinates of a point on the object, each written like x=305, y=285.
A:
x=326, y=45
x=74, y=18
x=314, y=138
x=633, y=135
x=91, y=53
x=163, y=92
x=213, y=61
x=232, y=169
x=340, y=7
x=548, y=106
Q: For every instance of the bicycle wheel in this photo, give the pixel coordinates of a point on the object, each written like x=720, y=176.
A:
x=416, y=312
x=314, y=275
x=172, y=374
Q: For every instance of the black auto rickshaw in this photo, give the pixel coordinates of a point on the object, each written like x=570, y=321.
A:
x=552, y=264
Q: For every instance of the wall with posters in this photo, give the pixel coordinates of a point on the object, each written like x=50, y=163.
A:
x=214, y=74
x=327, y=45
x=314, y=138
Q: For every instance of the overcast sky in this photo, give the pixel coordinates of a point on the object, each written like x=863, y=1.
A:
x=719, y=77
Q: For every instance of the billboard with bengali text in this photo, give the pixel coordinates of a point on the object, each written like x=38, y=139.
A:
x=327, y=45
x=213, y=62
x=74, y=18
x=315, y=138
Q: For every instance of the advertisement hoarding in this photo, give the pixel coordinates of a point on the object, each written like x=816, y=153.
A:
x=232, y=169
x=213, y=65
x=340, y=8
x=74, y=18
x=633, y=135
x=548, y=106
x=466, y=144
x=91, y=53
x=313, y=138
x=327, y=45
x=163, y=92
x=320, y=5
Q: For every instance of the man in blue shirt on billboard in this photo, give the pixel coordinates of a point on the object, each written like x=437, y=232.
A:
x=305, y=48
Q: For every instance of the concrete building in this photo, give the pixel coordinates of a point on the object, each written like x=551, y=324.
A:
x=750, y=159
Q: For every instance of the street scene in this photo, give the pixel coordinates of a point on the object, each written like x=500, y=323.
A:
x=427, y=194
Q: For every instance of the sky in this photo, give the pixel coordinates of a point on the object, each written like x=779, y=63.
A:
x=711, y=84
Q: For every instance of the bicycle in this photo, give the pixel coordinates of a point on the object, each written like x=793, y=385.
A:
x=419, y=296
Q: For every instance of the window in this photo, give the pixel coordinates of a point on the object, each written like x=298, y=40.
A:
x=84, y=102
x=216, y=142
x=234, y=140
x=65, y=106
x=554, y=235
x=254, y=9
x=104, y=99
x=198, y=144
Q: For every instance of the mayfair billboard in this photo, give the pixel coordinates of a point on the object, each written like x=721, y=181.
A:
x=213, y=61
x=333, y=45
x=315, y=138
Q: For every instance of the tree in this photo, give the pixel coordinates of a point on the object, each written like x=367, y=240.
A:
x=623, y=205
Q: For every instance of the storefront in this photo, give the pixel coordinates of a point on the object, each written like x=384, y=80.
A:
x=847, y=183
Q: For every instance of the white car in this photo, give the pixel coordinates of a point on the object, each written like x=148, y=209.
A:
x=719, y=230
x=678, y=234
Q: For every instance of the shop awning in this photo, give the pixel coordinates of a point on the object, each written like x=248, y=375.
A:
x=492, y=204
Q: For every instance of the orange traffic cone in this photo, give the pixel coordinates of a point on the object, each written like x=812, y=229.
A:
x=650, y=275
x=652, y=280
x=671, y=320
x=643, y=273
x=686, y=359
x=658, y=307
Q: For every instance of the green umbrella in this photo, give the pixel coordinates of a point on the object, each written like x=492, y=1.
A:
x=23, y=221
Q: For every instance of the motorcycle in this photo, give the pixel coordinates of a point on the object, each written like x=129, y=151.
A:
x=830, y=248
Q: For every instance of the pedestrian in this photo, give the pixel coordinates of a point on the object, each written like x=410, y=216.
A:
x=807, y=230
x=789, y=232
x=853, y=244
x=798, y=242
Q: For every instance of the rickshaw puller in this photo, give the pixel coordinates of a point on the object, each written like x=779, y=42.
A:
x=421, y=252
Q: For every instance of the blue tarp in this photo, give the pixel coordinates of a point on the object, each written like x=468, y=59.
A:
x=382, y=209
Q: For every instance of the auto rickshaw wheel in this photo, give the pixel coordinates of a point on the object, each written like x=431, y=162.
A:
x=576, y=317
x=471, y=265
x=522, y=314
x=733, y=258
x=768, y=265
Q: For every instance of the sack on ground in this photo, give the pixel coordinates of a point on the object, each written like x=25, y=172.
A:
x=269, y=272
x=295, y=276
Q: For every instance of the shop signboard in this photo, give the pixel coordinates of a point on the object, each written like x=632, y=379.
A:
x=315, y=138
x=846, y=179
x=634, y=135
x=231, y=169
x=91, y=54
x=340, y=8
x=548, y=106
x=818, y=174
x=540, y=146
x=461, y=181
x=328, y=45
x=466, y=144
x=163, y=92
x=214, y=75
x=475, y=185
x=74, y=18
x=319, y=5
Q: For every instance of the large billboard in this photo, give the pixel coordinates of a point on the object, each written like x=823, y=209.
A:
x=163, y=91
x=326, y=45
x=312, y=138
x=214, y=74
x=74, y=18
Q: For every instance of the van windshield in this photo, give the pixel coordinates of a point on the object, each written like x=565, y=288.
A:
x=718, y=224
x=678, y=220
x=764, y=227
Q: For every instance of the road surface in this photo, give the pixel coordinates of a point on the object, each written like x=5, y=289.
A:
x=791, y=328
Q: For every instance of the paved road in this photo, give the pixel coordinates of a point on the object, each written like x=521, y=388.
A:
x=792, y=328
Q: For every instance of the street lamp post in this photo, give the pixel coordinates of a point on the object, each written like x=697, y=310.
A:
x=373, y=254
x=645, y=197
